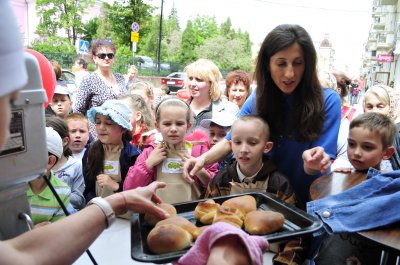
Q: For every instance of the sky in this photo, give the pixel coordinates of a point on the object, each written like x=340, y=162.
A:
x=346, y=21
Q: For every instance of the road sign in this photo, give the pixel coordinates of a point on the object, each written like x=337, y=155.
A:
x=135, y=27
x=83, y=46
x=134, y=36
x=134, y=46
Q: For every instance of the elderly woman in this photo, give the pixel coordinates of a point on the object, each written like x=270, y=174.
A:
x=237, y=87
x=202, y=82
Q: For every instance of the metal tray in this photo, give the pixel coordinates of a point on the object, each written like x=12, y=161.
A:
x=297, y=223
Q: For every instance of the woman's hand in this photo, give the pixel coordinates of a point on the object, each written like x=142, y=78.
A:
x=105, y=180
x=158, y=155
x=316, y=161
x=143, y=199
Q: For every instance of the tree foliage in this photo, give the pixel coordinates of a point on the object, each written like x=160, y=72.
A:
x=64, y=15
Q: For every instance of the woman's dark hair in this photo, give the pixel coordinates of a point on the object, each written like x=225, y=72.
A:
x=95, y=162
x=98, y=44
x=82, y=62
x=308, y=114
x=61, y=127
x=57, y=69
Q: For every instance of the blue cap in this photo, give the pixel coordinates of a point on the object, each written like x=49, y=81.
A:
x=116, y=110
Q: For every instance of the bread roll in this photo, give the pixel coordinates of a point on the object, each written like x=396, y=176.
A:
x=245, y=203
x=182, y=222
x=200, y=230
x=152, y=219
x=229, y=215
x=168, y=238
x=205, y=211
x=263, y=222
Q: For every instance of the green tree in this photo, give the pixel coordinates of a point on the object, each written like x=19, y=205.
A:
x=56, y=15
x=204, y=27
x=227, y=54
x=53, y=44
x=89, y=32
x=227, y=30
x=187, y=51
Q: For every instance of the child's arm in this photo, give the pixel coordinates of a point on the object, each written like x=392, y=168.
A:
x=142, y=173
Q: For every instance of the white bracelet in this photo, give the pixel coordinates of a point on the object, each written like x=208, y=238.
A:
x=106, y=208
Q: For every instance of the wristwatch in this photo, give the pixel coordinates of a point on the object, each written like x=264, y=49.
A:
x=106, y=208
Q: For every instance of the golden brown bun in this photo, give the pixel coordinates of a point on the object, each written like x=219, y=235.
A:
x=152, y=219
x=182, y=222
x=199, y=231
x=263, y=222
x=229, y=215
x=245, y=203
x=205, y=211
x=168, y=238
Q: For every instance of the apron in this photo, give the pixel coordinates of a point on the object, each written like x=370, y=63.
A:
x=243, y=187
x=170, y=172
x=111, y=168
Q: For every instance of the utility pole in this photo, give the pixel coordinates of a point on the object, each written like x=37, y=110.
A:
x=159, y=39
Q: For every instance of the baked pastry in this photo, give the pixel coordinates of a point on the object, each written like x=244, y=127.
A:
x=205, y=211
x=168, y=238
x=229, y=215
x=245, y=203
x=152, y=219
x=263, y=222
x=199, y=231
x=182, y=222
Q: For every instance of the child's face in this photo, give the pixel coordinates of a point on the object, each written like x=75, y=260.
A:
x=108, y=132
x=216, y=134
x=249, y=142
x=61, y=105
x=374, y=104
x=79, y=134
x=172, y=124
x=365, y=149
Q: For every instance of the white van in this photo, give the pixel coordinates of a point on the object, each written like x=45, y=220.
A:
x=144, y=62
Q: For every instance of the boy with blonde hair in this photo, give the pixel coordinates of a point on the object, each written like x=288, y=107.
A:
x=79, y=134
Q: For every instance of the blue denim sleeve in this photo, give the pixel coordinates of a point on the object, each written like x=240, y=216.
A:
x=247, y=108
x=362, y=207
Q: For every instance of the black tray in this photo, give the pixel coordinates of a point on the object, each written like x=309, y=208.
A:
x=297, y=223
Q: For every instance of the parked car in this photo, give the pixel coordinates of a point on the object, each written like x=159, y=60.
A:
x=174, y=81
x=144, y=62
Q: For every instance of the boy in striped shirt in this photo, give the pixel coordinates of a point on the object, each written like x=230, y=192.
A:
x=44, y=205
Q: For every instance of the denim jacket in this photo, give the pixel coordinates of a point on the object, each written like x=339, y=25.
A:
x=368, y=205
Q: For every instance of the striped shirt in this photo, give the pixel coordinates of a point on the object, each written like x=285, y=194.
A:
x=44, y=206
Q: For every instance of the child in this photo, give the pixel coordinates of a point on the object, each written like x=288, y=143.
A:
x=68, y=169
x=108, y=159
x=252, y=172
x=163, y=162
x=370, y=141
x=386, y=100
x=142, y=120
x=61, y=102
x=218, y=127
x=44, y=205
x=79, y=134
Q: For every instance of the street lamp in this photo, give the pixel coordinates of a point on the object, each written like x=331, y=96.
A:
x=159, y=39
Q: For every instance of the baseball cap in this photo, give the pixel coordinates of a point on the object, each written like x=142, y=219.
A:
x=222, y=118
x=116, y=110
x=54, y=142
x=62, y=90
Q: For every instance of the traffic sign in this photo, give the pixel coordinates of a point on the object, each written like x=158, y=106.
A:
x=134, y=36
x=83, y=46
x=135, y=27
x=134, y=46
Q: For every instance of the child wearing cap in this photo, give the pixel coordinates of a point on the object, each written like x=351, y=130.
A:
x=61, y=102
x=218, y=127
x=107, y=161
x=44, y=205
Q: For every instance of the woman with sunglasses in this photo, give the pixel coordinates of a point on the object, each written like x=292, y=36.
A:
x=102, y=84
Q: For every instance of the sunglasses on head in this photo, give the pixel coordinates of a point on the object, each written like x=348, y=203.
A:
x=104, y=55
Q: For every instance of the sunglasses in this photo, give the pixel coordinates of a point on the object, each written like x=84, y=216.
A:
x=104, y=55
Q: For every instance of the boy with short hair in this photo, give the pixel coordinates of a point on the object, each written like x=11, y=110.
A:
x=79, y=134
x=44, y=205
x=252, y=171
x=370, y=140
x=61, y=102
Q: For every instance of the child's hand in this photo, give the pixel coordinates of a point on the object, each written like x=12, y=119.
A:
x=316, y=160
x=158, y=155
x=106, y=181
